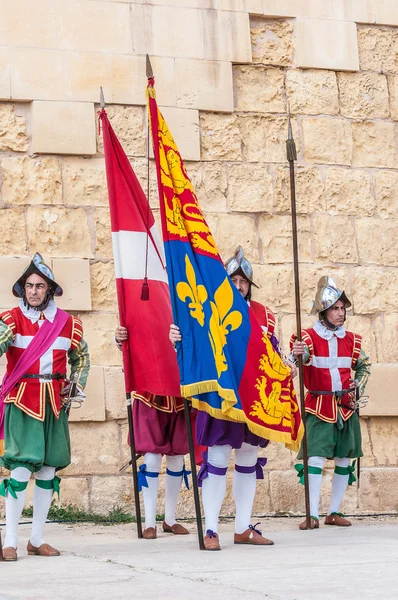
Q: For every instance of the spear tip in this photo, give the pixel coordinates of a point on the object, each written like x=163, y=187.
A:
x=102, y=98
x=149, y=71
x=290, y=131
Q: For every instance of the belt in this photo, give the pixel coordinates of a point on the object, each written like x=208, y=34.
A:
x=47, y=376
x=338, y=394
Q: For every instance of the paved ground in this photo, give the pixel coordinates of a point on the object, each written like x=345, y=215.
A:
x=110, y=563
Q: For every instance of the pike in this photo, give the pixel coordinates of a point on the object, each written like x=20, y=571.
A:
x=291, y=157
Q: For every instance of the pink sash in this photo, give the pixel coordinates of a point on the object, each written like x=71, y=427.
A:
x=40, y=343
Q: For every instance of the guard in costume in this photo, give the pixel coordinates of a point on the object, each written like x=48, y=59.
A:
x=222, y=436
x=159, y=429
x=38, y=339
x=330, y=354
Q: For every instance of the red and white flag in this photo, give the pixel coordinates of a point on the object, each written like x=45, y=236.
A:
x=149, y=361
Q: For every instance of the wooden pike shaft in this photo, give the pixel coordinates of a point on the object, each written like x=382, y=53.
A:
x=291, y=157
x=134, y=466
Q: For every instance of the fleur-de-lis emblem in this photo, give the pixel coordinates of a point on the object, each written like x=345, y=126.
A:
x=196, y=293
x=222, y=321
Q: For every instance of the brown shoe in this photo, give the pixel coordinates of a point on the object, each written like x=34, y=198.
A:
x=43, y=550
x=149, y=533
x=253, y=537
x=10, y=554
x=337, y=519
x=314, y=524
x=177, y=529
x=211, y=540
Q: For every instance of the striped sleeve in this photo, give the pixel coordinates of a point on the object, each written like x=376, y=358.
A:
x=7, y=332
x=362, y=371
x=77, y=332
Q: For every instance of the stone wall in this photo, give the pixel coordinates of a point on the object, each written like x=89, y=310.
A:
x=224, y=77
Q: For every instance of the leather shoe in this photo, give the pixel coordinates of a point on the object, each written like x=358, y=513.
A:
x=10, y=554
x=337, y=519
x=211, y=540
x=177, y=529
x=149, y=533
x=43, y=550
x=314, y=524
x=253, y=537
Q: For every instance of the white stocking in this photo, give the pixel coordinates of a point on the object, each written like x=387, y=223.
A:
x=215, y=486
x=175, y=464
x=153, y=463
x=41, y=505
x=339, y=486
x=14, y=508
x=315, y=484
x=244, y=486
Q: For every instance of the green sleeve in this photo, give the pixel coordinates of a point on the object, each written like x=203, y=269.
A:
x=362, y=371
x=6, y=337
x=79, y=361
x=306, y=356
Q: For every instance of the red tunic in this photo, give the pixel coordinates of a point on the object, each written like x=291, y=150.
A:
x=264, y=316
x=30, y=394
x=329, y=369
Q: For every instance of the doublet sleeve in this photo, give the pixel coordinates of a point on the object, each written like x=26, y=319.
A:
x=362, y=371
x=7, y=331
x=78, y=356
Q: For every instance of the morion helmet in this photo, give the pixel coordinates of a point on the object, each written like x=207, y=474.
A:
x=38, y=267
x=238, y=262
x=327, y=294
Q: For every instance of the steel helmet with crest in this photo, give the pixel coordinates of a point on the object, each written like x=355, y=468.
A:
x=37, y=266
x=239, y=265
x=327, y=295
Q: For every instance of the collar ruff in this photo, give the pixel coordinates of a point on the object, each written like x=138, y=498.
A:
x=34, y=315
x=326, y=333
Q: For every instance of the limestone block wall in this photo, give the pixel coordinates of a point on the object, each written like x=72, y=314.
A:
x=225, y=71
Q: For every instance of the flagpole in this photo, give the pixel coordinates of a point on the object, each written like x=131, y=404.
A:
x=187, y=409
x=291, y=157
x=134, y=457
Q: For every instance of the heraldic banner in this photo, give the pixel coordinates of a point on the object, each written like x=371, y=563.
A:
x=226, y=361
x=148, y=358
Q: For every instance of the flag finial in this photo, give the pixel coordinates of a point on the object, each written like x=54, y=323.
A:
x=102, y=98
x=149, y=70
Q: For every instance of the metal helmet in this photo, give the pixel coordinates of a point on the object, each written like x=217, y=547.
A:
x=327, y=294
x=238, y=262
x=38, y=267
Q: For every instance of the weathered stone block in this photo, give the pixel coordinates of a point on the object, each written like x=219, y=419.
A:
x=374, y=290
x=287, y=494
x=312, y=92
x=220, y=137
x=107, y=493
x=377, y=241
x=279, y=458
x=59, y=231
x=10, y=270
x=115, y=393
x=363, y=326
x=363, y=94
x=209, y=180
x=206, y=85
x=103, y=233
x=99, y=457
x=374, y=144
x=93, y=408
x=339, y=247
x=393, y=95
x=386, y=189
x=30, y=24
x=103, y=286
x=316, y=44
x=381, y=387
x=74, y=492
x=276, y=286
x=63, y=128
x=327, y=141
x=129, y=125
x=272, y=41
x=73, y=275
x=249, y=188
x=81, y=27
x=226, y=36
x=264, y=138
x=230, y=231
x=183, y=124
x=386, y=12
x=13, y=134
x=378, y=49
x=31, y=181
x=259, y=89
x=5, y=84
x=378, y=490
x=386, y=329
x=276, y=238
x=37, y=74
x=84, y=182
x=310, y=193
x=99, y=333
x=12, y=231
x=348, y=192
